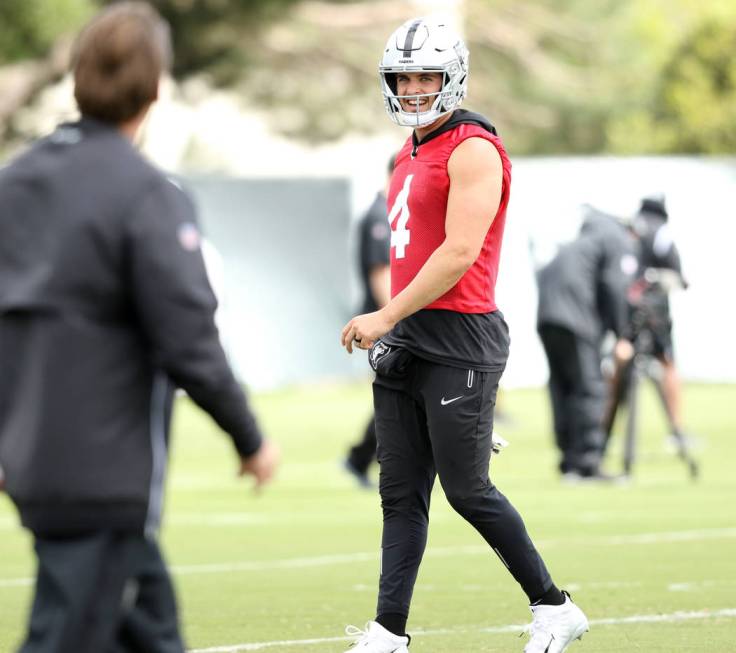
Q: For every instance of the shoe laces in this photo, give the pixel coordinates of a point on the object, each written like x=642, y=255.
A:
x=357, y=633
x=540, y=629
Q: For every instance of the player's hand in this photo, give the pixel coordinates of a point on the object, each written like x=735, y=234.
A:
x=262, y=464
x=363, y=330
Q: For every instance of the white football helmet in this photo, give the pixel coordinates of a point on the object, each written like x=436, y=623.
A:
x=424, y=45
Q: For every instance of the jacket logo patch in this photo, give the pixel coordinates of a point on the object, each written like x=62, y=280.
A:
x=189, y=237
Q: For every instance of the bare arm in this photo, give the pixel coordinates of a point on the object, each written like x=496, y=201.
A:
x=379, y=279
x=476, y=176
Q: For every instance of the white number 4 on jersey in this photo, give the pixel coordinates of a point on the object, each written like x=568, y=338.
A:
x=400, y=236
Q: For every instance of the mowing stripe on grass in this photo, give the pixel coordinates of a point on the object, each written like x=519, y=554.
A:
x=436, y=552
x=443, y=552
x=513, y=628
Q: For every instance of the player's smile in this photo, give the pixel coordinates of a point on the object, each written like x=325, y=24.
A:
x=422, y=87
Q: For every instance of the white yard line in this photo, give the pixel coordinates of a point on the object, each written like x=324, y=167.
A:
x=613, y=621
x=263, y=565
x=16, y=582
x=443, y=552
x=436, y=552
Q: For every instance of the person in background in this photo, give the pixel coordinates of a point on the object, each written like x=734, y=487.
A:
x=374, y=243
x=105, y=308
x=582, y=295
x=440, y=345
x=659, y=270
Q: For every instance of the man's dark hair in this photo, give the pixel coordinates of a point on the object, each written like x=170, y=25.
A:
x=117, y=61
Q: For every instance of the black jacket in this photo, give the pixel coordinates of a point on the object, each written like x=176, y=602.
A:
x=583, y=288
x=105, y=306
x=374, y=235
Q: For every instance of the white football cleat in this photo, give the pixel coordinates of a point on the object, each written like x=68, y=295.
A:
x=376, y=639
x=555, y=627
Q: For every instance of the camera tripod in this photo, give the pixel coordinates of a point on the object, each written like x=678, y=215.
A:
x=626, y=389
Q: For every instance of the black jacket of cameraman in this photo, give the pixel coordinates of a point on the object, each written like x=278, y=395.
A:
x=105, y=306
x=583, y=289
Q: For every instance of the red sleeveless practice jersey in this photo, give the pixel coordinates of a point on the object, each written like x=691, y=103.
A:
x=417, y=202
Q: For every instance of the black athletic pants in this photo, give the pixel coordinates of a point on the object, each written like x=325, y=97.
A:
x=578, y=395
x=437, y=420
x=364, y=452
x=103, y=593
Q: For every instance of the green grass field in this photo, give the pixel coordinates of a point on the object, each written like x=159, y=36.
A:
x=652, y=562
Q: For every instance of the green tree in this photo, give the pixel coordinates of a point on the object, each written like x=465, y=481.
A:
x=556, y=76
x=693, y=104
x=541, y=71
x=216, y=35
x=28, y=28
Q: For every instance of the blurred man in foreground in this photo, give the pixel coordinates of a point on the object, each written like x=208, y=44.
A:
x=374, y=244
x=582, y=295
x=105, y=307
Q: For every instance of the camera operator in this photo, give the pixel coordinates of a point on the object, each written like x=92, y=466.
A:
x=659, y=271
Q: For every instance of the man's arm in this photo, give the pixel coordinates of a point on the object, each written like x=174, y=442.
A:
x=612, y=284
x=175, y=306
x=476, y=181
